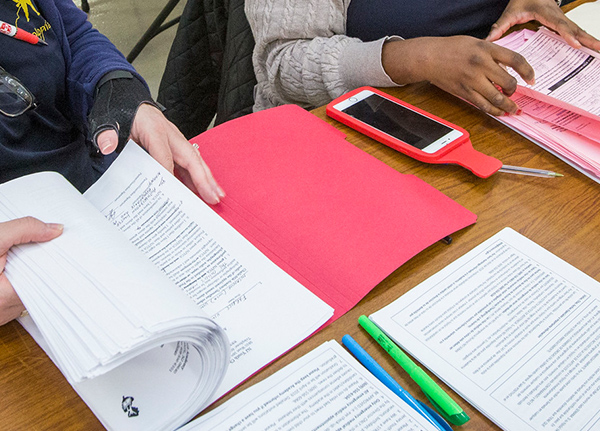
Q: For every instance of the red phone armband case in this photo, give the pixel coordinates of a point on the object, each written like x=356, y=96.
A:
x=459, y=151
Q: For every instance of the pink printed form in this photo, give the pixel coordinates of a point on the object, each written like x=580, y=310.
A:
x=560, y=112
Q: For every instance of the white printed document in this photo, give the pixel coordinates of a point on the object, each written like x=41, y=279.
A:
x=149, y=303
x=587, y=16
x=513, y=329
x=263, y=310
x=326, y=389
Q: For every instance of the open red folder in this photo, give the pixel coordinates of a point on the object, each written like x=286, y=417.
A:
x=332, y=216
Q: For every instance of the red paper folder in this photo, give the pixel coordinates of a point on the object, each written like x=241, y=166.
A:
x=332, y=216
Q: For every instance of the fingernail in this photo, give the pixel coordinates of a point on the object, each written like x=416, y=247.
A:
x=220, y=192
x=103, y=145
x=56, y=226
x=519, y=112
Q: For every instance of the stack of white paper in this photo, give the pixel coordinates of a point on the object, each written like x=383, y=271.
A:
x=560, y=112
x=130, y=300
x=102, y=304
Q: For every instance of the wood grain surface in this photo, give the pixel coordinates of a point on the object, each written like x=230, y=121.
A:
x=560, y=214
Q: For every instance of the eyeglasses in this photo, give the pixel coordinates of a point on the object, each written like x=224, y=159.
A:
x=15, y=98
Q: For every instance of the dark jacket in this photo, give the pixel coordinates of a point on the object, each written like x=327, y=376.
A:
x=209, y=68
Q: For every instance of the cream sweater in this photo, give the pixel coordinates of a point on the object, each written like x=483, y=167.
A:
x=302, y=55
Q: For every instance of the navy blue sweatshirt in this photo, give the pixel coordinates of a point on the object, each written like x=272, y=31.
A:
x=62, y=76
x=374, y=19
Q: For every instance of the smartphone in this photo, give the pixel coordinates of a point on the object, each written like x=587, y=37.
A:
x=396, y=124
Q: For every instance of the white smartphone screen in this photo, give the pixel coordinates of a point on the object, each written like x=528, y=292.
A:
x=398, y=121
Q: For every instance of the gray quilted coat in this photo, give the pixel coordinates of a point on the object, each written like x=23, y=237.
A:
x=209, y=68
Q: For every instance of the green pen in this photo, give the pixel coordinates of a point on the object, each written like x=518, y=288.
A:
x=449, y=409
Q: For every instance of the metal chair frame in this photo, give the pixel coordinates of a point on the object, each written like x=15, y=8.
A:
x=158, y=26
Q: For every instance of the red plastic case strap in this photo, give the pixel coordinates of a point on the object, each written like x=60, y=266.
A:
x=468, y=157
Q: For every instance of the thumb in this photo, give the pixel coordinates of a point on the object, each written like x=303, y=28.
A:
x=107, y=141
x=496, y=31
x=26, y=229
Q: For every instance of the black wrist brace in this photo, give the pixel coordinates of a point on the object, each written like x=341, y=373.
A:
x=118, y=97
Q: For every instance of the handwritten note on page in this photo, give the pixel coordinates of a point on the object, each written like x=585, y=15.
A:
x=513, y=329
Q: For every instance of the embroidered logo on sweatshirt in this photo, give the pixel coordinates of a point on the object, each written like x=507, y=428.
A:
x=27, y=11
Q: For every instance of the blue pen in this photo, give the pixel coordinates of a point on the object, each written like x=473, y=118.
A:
x=370, y=364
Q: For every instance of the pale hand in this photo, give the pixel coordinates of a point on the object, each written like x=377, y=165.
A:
x=163, y=140
x=547, y=13
x=14, y=232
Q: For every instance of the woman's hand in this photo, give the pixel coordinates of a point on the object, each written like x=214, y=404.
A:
x=472, y=69
x=123, y=109
x=547, y=13
x=14, y=232
x=163, y=140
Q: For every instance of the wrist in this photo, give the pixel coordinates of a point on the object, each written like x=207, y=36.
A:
x=118, y=96
x=407, y=61
x=115, y=74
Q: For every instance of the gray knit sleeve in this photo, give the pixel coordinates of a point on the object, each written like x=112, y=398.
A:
x=303, y=56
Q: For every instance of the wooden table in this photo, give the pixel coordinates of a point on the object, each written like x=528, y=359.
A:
x=560, y=214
